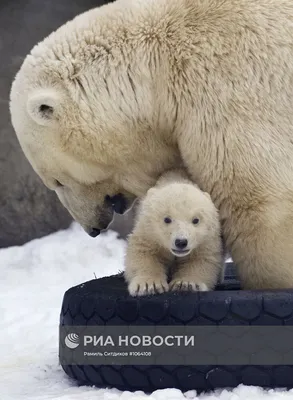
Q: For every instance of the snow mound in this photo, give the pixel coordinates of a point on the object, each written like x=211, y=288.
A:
x=33, y=279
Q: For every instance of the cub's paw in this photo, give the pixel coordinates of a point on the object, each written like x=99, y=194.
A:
x=141, y=287
x=179, y=285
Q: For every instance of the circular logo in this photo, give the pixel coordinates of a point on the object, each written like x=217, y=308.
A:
x=72, y=340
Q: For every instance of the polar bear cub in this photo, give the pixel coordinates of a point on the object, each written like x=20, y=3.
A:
x=177, y=233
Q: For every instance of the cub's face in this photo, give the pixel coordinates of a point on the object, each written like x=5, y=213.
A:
x=181, y=236
x=181, y=217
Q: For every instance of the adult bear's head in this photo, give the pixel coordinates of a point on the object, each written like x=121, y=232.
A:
x=68, y=148
x=86, y=106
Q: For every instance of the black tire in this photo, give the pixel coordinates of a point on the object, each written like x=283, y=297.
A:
x=106, y=302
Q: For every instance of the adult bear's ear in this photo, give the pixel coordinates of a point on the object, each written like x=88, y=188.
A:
x=43, y=106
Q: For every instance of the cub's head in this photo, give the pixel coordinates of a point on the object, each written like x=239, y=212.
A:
x=179, y=217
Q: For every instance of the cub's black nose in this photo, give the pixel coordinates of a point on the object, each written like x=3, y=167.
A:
x=181, y=243
x=94, y=232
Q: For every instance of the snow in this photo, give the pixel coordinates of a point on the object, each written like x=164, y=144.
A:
x=33, y=279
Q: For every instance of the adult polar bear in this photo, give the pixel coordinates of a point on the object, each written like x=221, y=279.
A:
x=122, y=93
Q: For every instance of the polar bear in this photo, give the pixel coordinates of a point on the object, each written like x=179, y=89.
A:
x=124, y=92
x=178, y=231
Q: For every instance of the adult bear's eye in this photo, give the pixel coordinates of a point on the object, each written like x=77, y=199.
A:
x=58, y=184
x=195, y=221
x=167, y=220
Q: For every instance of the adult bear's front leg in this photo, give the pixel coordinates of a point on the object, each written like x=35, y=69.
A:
x=262, y=249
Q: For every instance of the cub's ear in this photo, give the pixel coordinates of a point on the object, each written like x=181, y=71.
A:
x=44, y=106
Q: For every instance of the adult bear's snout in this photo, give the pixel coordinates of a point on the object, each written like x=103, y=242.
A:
x=94, y=232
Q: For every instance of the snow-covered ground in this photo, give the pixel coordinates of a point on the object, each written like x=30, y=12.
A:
x=33, y=279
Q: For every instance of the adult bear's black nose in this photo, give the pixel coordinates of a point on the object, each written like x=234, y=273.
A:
x=94, y=232
x=181, y=243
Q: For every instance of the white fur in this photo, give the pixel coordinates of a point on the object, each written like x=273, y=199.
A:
x=138, y=87
x=151, y=249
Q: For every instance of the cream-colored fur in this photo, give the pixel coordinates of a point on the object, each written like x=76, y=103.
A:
x=152, y=253
x=128, y=90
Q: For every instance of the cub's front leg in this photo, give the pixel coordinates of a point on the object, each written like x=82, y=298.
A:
x=196, y=274
x=144, y=273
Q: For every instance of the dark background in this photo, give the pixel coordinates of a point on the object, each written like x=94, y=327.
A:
x=27, y=209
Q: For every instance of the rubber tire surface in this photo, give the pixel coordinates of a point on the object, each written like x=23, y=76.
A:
x=106, y=301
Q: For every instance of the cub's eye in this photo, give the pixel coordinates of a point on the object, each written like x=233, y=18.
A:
x=167, y=220
x=195, y=221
